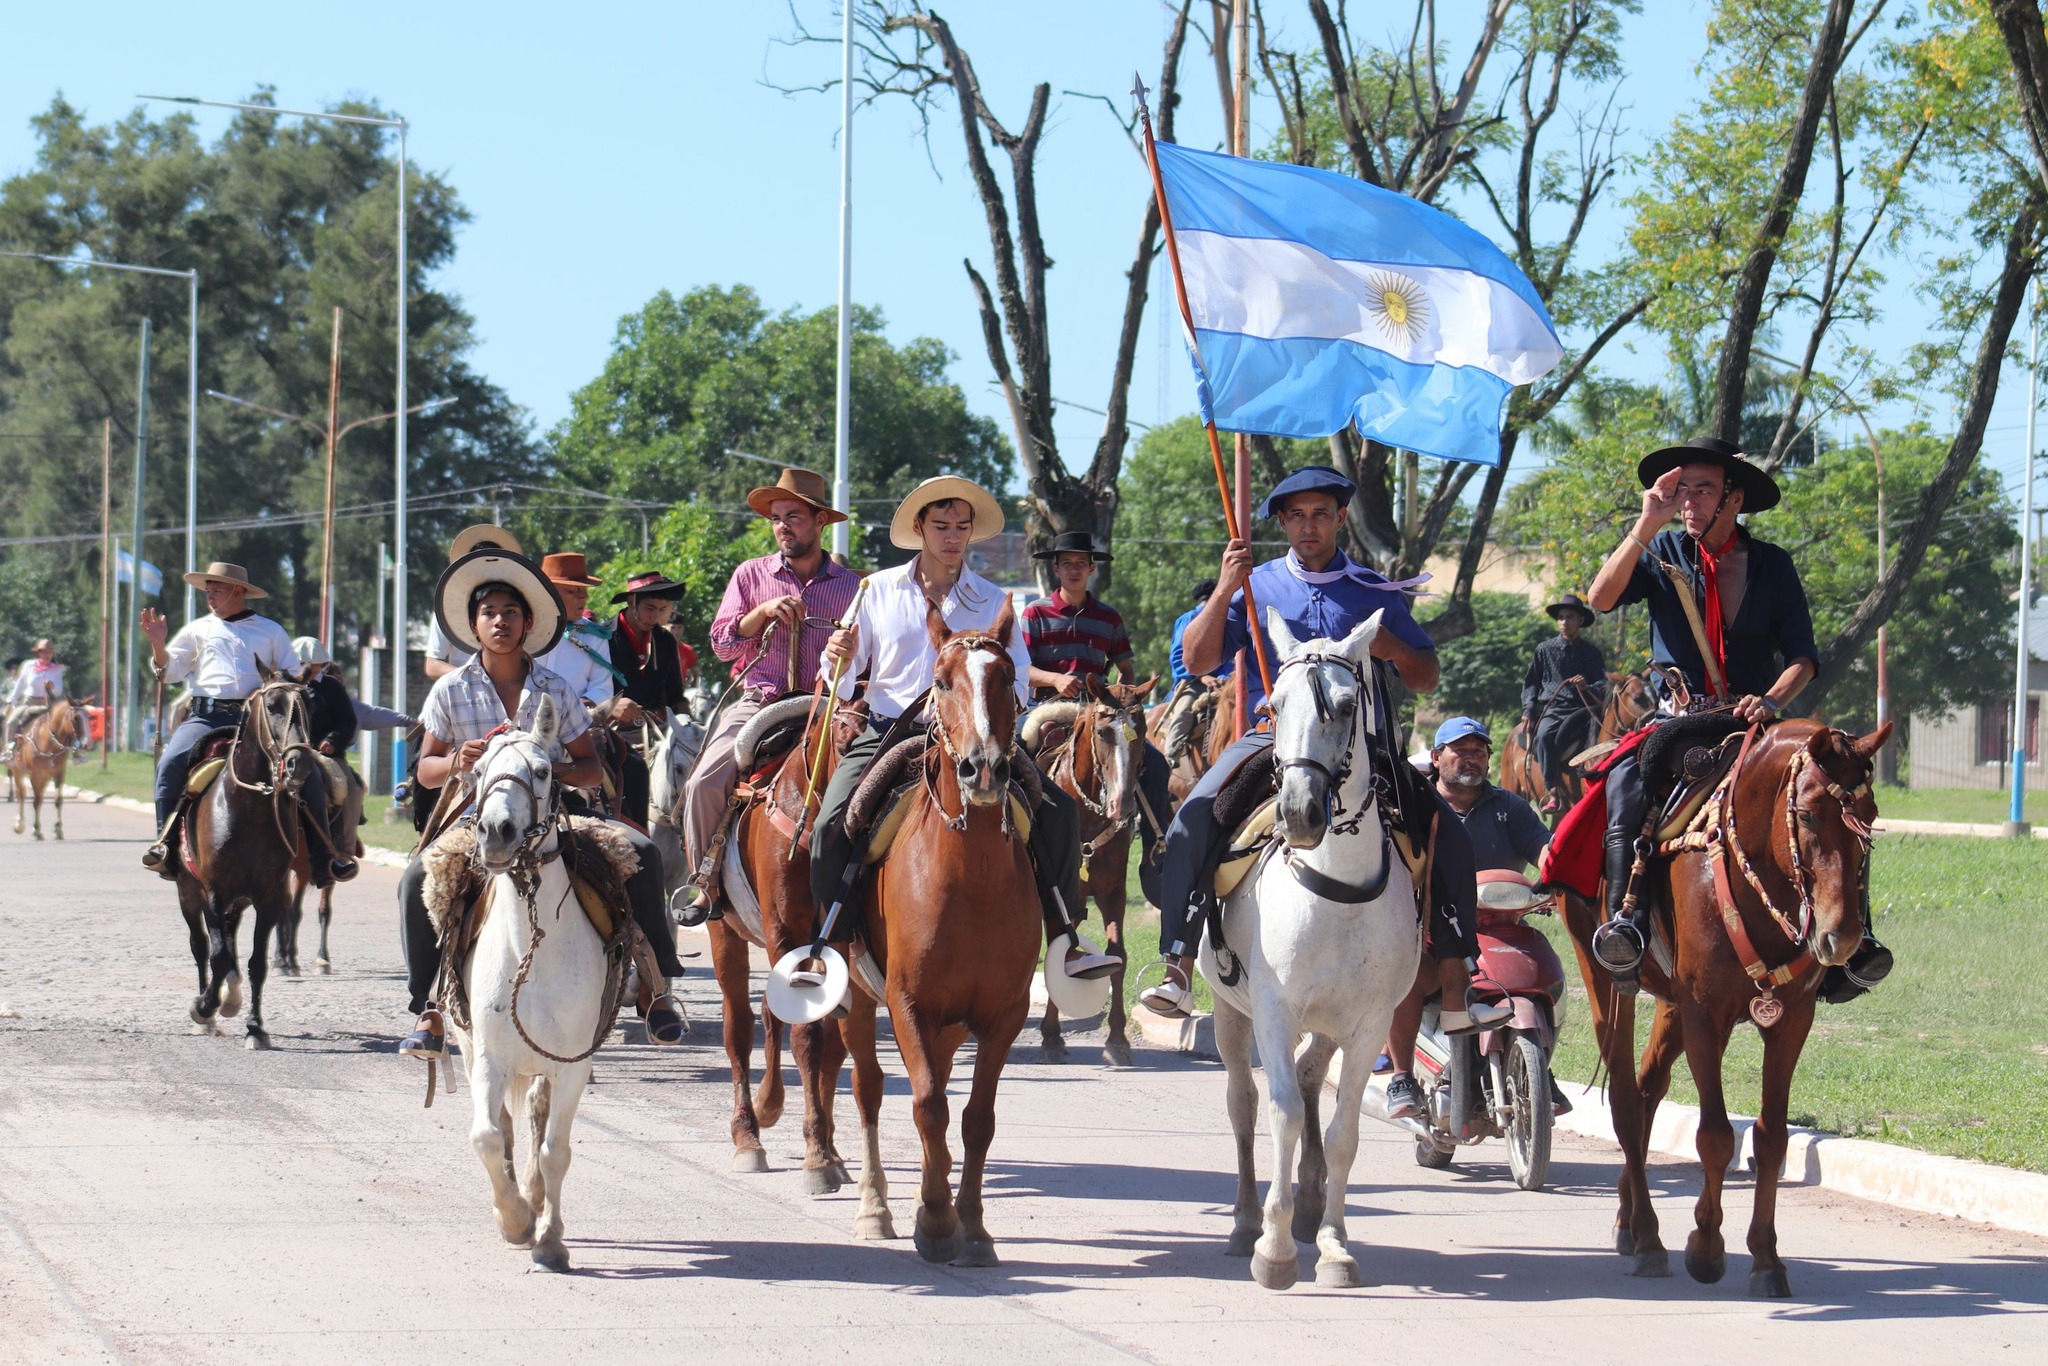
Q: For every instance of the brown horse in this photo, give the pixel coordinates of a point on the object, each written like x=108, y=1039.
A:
x=1628, y=704
x=1094, y=751
x=953, y=921
x=42, y=750
x=350, y=810
x=1763, y=893
x=237, y=846
x=779, y=882
x=1215, y=727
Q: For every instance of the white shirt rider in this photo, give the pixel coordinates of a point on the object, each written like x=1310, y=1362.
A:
x=222, y=658
x=36, y=682
x=895, y=648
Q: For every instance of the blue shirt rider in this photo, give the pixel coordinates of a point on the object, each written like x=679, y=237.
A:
x=1321, y=593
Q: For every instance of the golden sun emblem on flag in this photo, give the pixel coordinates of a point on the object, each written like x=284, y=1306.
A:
x=1398, y=306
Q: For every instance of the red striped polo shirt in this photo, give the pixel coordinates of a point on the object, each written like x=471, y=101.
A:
x=1088, y=639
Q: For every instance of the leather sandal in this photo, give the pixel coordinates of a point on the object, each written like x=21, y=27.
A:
x=1476, y=1015
x=427, y=1040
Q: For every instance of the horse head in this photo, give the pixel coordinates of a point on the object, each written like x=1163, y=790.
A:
x=1821, y=832
x=277, y=711
x=1111, y=735
x=974, y=703
x=1318, y=695
x=515, y=778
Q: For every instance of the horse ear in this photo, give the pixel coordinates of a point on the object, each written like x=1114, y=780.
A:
x=546, y=722
x=1283, y=639
x=1866, y=747
x=1006, y=622
x=935, y=626
x=1358, y=645
x=1138, y=692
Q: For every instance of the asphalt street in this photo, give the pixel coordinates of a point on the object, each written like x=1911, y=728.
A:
x=168, y=1196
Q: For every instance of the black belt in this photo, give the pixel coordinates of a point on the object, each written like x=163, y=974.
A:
x=216, y=706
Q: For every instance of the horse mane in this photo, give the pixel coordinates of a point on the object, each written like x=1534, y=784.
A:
x=1057, y=713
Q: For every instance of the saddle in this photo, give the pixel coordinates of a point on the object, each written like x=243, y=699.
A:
x=209, y=757
x=881, y=801
x=1686, y=759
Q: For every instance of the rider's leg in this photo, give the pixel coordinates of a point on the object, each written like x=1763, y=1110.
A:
x=710, y=789
x=172, y=768
x=422, y=948
x=1454, y=926
x=1401, y=1038
x=1548, y=742
x=325, y=870
x=1153, y=775
x=1056, y=859
x=1191, y=841
x=648, y=902
x=1179, y=722
x=633, y=787
x=831, y=846
x=1620, y=941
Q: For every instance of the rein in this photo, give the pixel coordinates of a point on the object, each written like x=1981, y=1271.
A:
x=256, y=717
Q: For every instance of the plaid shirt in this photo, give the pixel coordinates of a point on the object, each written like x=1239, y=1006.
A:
x=464, y=706
x=1075, y=640
x=827, y=595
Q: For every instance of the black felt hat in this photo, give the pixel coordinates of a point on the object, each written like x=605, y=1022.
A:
x=1571, y=602
x=1072, y=543
x=1759, y=490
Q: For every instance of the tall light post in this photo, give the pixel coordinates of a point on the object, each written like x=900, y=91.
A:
x=842, y=404
x=191, y=277
x=398, y=605
x=2016, y=822
x=332, y=436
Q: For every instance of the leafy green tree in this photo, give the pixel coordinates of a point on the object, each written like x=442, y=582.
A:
x=37, y=600
x=285, y=220
x=1482, y=671
x=699, y=547
x=694, y=378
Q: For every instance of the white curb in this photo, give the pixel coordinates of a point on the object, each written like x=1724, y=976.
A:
x=1886, y=1173
x=1990, y=832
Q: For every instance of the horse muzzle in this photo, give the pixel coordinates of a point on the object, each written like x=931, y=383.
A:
x=498, y=840
x=1304, y=808
x=984, y=776
x=1832, y=948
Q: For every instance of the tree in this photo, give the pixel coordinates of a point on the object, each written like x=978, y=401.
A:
x=910, y=51
x=1483, y=669
x=284, y=220
x=695, y=545
x=692, y=379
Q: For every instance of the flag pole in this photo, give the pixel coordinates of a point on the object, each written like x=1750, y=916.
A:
x=1187, y=317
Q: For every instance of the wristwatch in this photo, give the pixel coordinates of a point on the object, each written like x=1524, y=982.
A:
x=1770, y=704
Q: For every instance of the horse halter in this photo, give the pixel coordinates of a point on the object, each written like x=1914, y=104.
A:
x=1319, y=691
x=968, y=642
x=546, y=808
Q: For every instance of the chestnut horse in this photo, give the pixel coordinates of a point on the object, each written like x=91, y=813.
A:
x=1766, y=891
x=42, y=750
x=1094, y=751
x=953, y=920
x=1215, y=727
x=237, y=846
x=779, y=881
x=1629, y=703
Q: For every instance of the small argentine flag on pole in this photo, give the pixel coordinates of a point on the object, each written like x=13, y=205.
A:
x=1315, y=302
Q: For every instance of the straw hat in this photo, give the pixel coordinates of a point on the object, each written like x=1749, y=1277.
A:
x=804, y=486
x=41, y=645
x=481, y=535
x=311, y=651
x=988, y=513
x=460, y=580
x=220, y=571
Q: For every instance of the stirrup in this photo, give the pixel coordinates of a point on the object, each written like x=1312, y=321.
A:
x=1619, y=945
x=1169, y=998
x=425, y=1042
x=1476, y=1015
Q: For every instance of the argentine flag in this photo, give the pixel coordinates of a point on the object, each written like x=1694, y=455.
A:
x=1320, y=302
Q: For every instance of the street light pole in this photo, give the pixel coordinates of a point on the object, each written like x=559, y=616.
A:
x=191, y=390
x=2016, y=821
x=842, y=406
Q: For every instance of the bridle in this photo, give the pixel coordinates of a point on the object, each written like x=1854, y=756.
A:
x=547, y=809
x=936, y=736
x=256, y=717
x=1319, y=692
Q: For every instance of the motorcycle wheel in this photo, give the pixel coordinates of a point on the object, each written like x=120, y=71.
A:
x=1530, y=1113
x=1427, y=1154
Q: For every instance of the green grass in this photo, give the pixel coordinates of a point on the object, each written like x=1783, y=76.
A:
x=133, y=775
x=1982, y=806
x=1950, y=1055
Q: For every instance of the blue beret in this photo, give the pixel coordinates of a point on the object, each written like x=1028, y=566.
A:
x=1311, y=479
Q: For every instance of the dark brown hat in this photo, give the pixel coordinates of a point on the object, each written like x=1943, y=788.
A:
x=1759, y=490
x=650, y=583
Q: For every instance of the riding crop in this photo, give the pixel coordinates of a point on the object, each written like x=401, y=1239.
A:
x=831, y=700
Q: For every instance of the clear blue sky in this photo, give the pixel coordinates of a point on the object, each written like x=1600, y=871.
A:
x=609, y=151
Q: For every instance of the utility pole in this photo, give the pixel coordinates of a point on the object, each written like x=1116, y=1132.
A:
x=131, y=712
x=106, y=587
x=2016, y=821
x=842, y=406
x=327, y=526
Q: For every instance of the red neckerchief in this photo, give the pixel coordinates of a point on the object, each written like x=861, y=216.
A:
x=642, y=645
x=1710, y=589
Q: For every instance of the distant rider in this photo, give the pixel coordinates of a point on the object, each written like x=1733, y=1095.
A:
x=1562, y=694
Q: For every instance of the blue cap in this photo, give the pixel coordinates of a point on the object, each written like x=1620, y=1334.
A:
x=1457, y=728
x=1310, y=479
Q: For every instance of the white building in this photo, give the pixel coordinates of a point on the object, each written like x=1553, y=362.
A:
x=1972, y=747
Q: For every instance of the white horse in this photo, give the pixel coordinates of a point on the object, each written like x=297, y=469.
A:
x=559, y=1004
x=1321, y=936
x=671, y=755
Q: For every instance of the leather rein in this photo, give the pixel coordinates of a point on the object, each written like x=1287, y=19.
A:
x=1319, y=883
x=256, y=717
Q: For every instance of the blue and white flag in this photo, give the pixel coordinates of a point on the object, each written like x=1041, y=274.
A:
x=124, y=572
x=1321, y=302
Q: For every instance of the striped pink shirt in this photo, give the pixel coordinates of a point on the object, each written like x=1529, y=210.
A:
x=826, y=597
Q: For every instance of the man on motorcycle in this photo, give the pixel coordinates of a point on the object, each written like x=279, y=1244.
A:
x=1506, y=833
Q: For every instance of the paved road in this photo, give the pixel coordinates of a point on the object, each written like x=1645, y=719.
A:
x=171, y=1197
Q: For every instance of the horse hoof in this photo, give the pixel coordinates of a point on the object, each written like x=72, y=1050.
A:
x=1338, y=1274
x=821, y=1181
x=1053, y=1050
x=201, y=1016
x=1306, y=1223
x=555, y=1259
x=231, y=996
x=1624, y=1242
x=1275, y=1275
x=1243, y=1243
x=979, y=1252
x=1653, y=1263
x=1703, y=1265
x=750, y=1161
x=257, y=1041
x=1117, y=1053
x=875, y=1228
x=941, y=1249
x=1770, y=1283
x=839, y=1172
x=324, y=966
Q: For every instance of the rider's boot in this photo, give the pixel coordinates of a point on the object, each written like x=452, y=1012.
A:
x=342, y=869
x=161, y=858
x=1172, y=996
x=1456, y=980
x=428, y=1039
x=662, y=1015
x=1619, y=943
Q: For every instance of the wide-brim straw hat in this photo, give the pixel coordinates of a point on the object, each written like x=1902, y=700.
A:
x=461, y=579
x=1759, y=490
x=478, y=536
x=220, y=571
x=311, y=651
x=988, y=513
x=803, y=486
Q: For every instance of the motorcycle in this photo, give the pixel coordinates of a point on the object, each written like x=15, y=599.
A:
x=1495, y=1083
